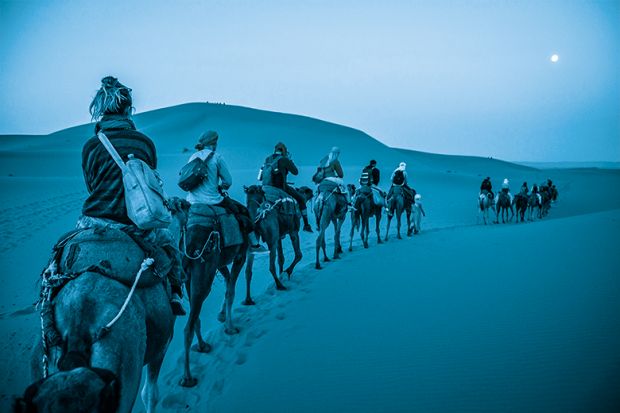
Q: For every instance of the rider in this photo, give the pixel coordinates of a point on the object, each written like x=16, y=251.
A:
x=332, y=172
x=211, y=190
x=105, y=205
x=524, y=189
x=506, y=189
x=487, y=186
x=399, y=178
x=282, y=165
x=371, y=177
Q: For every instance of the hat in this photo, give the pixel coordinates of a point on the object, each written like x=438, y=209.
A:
x=417, y=197
x=373, y=162
x=209, y=138
x=506, y=181
x=280, y=147
x=402, y=166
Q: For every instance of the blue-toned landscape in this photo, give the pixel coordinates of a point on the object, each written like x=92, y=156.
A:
x=461, y=317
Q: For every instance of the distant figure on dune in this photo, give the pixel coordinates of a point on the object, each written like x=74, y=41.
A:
x=274, y=173
x=211, y=190
x=370, y=177
x=105, y=205
x=418, y=213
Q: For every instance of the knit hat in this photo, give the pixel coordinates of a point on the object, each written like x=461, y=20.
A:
x=209, y=138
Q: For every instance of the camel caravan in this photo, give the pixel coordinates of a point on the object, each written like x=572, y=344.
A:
x=113, y=287
x=536, y=202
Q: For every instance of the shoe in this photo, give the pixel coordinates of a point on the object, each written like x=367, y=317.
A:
x=258, y=249
x=177, y=305
x=308, y=228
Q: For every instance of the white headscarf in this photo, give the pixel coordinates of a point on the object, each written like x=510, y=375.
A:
x=402, y=166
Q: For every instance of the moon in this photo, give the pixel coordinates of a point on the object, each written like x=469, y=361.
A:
x=555, y=58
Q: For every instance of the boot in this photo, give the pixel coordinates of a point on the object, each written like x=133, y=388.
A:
x=307, y=227
x=255, y=245
x=175, y=301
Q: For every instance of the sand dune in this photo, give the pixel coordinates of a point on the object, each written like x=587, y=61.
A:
x=427, y=322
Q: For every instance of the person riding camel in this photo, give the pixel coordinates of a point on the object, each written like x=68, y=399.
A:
x=278, y=165
x=105, y=204
x=524, y=189
x=399, y=178
x=506, y=189
x=487, y=186
x=371, y=177
x=212, y=190
x=330, y=170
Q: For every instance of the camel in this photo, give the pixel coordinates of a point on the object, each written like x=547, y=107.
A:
x=534, y=201
x=330, y=207
x=204, y=255
x=109, y=326
x=364, y=209
x=274, y=222
x=520, y=202
x=503, y=205
x=398, y=203
x=484, y=204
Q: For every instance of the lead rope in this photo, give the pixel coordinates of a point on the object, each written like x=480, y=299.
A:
x=143, y=267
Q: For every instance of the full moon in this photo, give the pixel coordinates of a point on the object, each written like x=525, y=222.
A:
x=555, y=58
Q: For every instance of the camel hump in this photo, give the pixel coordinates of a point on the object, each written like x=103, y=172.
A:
x=286, y=204
x=110, y=252
x=203, y=219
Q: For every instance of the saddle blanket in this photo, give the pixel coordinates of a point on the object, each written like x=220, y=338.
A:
x=215, y=218
x=286, y=204
x=110, y=252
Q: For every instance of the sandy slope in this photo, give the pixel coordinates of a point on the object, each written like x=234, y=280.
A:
x=41, y=190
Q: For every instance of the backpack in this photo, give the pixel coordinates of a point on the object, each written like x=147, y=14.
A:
x=193, y=173
x=366, y=177
x=144, y=193
x=399, y=177
x=269, y=169
x=319, y=175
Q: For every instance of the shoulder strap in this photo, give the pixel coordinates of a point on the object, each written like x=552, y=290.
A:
x=111, y=150
x=209, y=156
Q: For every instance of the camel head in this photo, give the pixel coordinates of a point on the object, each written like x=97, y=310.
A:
x=351, y=189
x=84, y=389
x=306, y=192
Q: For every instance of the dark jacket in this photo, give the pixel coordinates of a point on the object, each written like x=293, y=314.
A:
x=375, y=174
x=486, y=184
x=104, y=179
x=285, y=166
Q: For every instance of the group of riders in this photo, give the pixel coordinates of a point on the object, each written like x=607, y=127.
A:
x=544, y=191
x=105, y=204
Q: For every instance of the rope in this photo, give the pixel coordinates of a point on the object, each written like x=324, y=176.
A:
x=143, y=267
x=204, y=247
x=267, y=207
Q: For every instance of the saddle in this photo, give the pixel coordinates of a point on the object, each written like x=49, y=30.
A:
x=218, y=219
x=284, y=203
x=329, y=187
x=112, y=253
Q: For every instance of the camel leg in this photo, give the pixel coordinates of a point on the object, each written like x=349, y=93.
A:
x=272, y=266
x=378, y=227
x=337, y=246
x=202, y=280
x=353, y=222
x=150, y=391
x=409, y=229
x=248, y=280
x=387, y=230
x=231, y=282
x=280, y=256
x=399, y=216
x=294, y=236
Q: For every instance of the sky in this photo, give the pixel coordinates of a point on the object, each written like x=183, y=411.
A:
x=455, y=77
